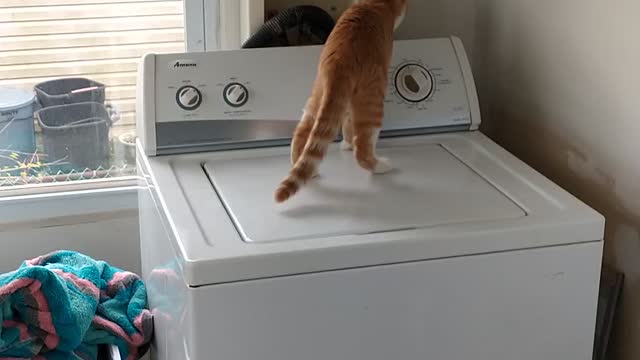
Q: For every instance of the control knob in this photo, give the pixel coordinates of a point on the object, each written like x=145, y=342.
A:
x=235, y=94
x=189, y=97
x=413, y=83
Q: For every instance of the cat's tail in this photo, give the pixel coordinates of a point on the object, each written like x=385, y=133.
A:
x=325, y=129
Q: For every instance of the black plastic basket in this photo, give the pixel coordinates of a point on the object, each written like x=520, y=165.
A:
x=69, y=91
x=296, y=26
x=76, y=136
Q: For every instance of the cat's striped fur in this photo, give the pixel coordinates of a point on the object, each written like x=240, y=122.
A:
x=348, y=92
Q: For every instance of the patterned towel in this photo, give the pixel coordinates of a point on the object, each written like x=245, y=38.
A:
x=65, y=304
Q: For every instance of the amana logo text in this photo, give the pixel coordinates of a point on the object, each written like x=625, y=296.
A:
x=183, y=64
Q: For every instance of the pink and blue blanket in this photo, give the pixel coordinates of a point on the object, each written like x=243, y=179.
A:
x=65, y=305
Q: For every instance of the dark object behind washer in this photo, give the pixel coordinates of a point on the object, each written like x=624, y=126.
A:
x=296, y=26
x=611, y=284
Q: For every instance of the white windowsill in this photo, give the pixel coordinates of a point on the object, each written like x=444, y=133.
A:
x=68, y=204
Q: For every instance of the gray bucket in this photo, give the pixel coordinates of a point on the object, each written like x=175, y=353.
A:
x=16, y=120
x=76, y=135
x=69, y=91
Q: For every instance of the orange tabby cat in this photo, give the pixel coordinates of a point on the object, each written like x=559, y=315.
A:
x=348, y=92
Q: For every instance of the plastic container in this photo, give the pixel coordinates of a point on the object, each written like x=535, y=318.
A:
x=125, y=148
x=69, y=91
x=76, y=136
x=16, y=120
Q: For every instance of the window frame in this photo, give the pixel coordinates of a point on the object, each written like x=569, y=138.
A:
x=209, y=25
x=220, y=24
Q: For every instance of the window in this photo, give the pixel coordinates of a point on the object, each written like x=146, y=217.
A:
x=68, y=81
x=68, y=84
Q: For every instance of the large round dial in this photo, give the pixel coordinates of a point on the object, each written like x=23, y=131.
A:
x=235, y=94
x=414, y=83
x=189, y=97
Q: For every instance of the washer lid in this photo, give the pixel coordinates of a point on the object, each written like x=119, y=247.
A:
x=430, y=187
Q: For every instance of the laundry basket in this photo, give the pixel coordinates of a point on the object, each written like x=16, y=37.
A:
x=76, y=136
x=69, y=91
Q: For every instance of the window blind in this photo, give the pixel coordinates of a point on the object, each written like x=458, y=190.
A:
x=99, y=39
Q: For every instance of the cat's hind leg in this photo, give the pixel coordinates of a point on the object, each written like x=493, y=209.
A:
x=367, y=116
x=301, y=135
x=303, y=130
x=347, y=133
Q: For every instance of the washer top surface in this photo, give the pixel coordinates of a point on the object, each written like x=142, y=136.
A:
x=429, y=187
x=452, y=195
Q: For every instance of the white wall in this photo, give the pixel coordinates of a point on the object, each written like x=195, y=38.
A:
x=562, y=88
x=113, y=240
x=559, y=83
x=441, y=18
x=103, y=225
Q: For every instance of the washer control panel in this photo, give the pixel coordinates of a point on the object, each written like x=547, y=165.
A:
x=243, y=96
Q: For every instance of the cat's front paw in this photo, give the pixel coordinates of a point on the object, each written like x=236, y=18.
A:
x=383, y=166
x=346, y=146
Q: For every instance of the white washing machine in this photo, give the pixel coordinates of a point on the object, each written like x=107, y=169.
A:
x=463, y=252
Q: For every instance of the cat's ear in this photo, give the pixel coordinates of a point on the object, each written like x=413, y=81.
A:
x=400, y=18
